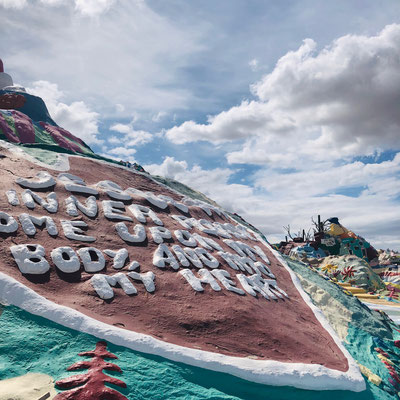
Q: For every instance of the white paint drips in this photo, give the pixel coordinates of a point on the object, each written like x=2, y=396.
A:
x=146, y=278
x=134, y=265
x=76, y=184
x=163, y=256
x=92, y=265
x=142, y=212
x=12, y=197
x=119, y=257
x=73, y=204
x=196, y=283
x=43, y=181
x=113, y=210
x=160, y=233
x=29, y=198
x=8, y=224
x=28, y=223
x=123, y=281
x=72, y=231
x=186, y=256
x=185, y=238
x=65, y=259
x=113, y=190
x=208, y=259
x=224, y=277
x=123, y=232
x=30, y=258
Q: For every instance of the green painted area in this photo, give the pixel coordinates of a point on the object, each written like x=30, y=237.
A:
x=47, y=157
x=331, y=250
x=33, y=344
x=41, y=136
x=184, y=189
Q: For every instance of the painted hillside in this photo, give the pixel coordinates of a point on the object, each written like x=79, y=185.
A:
x=118, y=285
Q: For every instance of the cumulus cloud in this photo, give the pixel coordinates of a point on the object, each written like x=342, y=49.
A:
x=159, y=116
x=52, y=2
x=212, y=183
x=130, y=136
x=169, y=168
x=17, y=4
x=120, y=153
x=76, y=117
x=85, y=7
x=372, y=178
x=93, y=7
x=253, y=64
x=341, y=101
x=117, y=57
x=374, y=213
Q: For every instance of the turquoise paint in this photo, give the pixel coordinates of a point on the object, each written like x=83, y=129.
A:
x=364, y=327
x=361, y=345
x=33, y=344
x=307, y=251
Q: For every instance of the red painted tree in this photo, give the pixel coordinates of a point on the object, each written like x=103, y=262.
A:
x=91, y=386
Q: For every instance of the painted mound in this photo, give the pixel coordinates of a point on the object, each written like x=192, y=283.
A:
x=204, y=282
x=116, y=254
x=24, y=119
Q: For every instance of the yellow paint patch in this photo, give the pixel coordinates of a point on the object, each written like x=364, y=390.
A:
x=338, y=316
x=375, y=379
x=28, y=387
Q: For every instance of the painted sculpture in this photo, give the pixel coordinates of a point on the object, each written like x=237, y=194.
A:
x=91, y=385
x=195, y=301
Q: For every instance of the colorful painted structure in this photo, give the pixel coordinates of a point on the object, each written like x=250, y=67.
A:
x=105, y=262
x=338, y=240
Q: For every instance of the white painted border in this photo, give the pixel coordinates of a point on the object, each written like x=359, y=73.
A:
x=303, y=376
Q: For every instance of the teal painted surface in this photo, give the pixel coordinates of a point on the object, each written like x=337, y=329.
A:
x=365, y=326
x=33, y=344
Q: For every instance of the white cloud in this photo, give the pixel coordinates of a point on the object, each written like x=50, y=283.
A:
x=169, y=168
x=76, y=117
x=253, y=64
x=17, y=4
x=132, y=137
x=159, y=116
x=85, y=7
x=210, y=182
x=375, y=178
x=93, y=7
x=373, y=214
x=120, y=108
x=339, y=102
x=126, y=54
x=113, y=140
x=120, y=152
x=52, y=2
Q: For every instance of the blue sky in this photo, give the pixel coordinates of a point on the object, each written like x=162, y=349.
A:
x=278, y=110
